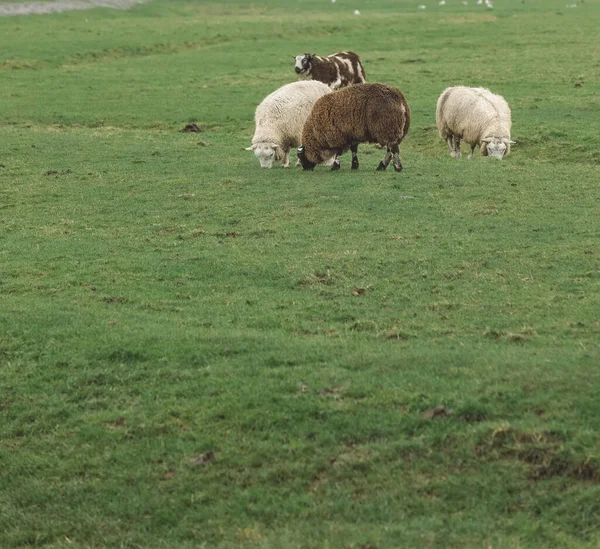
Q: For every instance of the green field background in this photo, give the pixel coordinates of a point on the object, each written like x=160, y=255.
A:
x=196, y=352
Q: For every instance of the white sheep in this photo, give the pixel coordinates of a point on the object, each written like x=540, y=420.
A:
x=476, y=115
x=280, y=118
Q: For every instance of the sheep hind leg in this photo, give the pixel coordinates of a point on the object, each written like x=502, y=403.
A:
x=397, y=161
x=385, y=162
x=472, y=151
x=286, y=159
x=354, y=149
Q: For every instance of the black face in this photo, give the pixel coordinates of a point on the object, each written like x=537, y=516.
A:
x=306, y=163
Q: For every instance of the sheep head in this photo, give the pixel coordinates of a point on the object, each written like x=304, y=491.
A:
x=496, y=147
x=267, y=153
x=303, y=62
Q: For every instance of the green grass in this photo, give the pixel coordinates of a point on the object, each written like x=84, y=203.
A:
x=196, y=352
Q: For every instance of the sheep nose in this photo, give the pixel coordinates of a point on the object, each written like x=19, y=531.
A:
x=298, y=70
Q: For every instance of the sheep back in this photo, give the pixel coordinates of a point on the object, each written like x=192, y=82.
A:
x=337, y=70
x=281, y=115
x=472, y=114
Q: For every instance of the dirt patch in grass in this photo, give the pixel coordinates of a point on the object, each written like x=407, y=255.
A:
x=545, y=454
x=40, y=8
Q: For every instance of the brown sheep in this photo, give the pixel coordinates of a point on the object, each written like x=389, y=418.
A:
x=337, y=70
x=366, y=113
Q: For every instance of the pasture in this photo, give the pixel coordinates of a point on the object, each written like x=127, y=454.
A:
x=195, y=352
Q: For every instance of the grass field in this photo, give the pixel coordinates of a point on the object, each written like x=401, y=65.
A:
x=195, y=352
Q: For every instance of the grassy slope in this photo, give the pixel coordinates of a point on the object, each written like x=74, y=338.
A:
x=160, y=299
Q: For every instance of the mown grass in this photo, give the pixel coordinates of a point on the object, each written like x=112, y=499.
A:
x=199, y=353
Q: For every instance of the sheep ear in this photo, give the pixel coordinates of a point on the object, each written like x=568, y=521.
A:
x=274, y=146
x=251, y=148
x=512, y=142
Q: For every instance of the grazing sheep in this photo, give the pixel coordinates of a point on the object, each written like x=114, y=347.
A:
x=337, y=70
x=280, y=118
x=369, y=113
x=477, y=116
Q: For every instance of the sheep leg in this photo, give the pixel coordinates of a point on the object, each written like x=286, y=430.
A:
x=450, y=141
x=457, y=152
x=385, y=162
x=354, y=149
x=336, y=163
x=397, y=161
x=472, y=151
x=286, y=159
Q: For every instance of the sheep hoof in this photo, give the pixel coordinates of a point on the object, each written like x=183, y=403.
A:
x=398, y=168
x=355, y=164
x=336, y=166
x=381, y=167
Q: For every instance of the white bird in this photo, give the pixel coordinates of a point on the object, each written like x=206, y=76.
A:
x=488, y=3
x=356, y=12
x=333, y=1
x=479, y=2
x=465, y=3
x=421, y=7
x=442, y=2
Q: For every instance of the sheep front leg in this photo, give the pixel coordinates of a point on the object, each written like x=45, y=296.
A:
x=397, y=161
x=354, y=149
x=472, y=151
x=286, y=158
x=385, y=162
x=336, y=163
x=450, y=141
x=457, y=152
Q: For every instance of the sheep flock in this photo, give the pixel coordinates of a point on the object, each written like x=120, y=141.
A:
x=332, y=108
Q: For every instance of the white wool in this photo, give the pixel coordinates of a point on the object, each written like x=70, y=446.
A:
x=281, y=115
x=474, y=114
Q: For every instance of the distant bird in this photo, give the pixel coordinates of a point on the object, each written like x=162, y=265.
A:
x=442, y=2
x=479, y=2
x=356, y=12
x=421, y=7
x=465, y=3
x=488, y=3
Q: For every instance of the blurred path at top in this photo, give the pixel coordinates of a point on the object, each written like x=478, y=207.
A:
x=30, y=8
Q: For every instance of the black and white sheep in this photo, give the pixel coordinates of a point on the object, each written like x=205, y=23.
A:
x=477, y=116
x=337, y=70
x=280, y=118
x=369, y=113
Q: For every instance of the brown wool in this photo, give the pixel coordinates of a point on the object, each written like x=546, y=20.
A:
x=369, y=113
